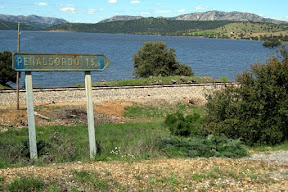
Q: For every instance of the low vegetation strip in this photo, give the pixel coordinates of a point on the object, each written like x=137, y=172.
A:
x=156, y=175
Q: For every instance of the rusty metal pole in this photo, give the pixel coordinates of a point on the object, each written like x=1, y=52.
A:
x=18, y=73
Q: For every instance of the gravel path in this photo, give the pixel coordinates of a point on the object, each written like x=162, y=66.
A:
x=273, y=157
x=133, y=94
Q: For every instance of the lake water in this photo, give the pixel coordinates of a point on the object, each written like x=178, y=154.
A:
x=207, y=57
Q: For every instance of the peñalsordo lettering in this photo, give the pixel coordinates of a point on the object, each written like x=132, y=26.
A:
x=59, y=62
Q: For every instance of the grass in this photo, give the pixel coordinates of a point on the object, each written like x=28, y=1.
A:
x=90, y=180
x=129, y=141
x=155, y=81
x=282, y=146
x=26, y=184
x=159, y=113
x=1, y=183
x=243, y=30
x=4, y=87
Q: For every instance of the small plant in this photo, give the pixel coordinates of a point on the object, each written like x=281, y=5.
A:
x=63, y=148
x=182, y=126
x=1, y=183
x=224, y=79
x=91, y=179
x=274, y=42
x=42, y=148
x=26, y=184
x=198, y=177
x=210, y=146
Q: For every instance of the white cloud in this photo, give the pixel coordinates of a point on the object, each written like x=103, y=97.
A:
x=91, y=11
x=41, y=4
x=2, y=7
x=181, y=10
x=201, y=8
x=112, y=1
x=135, y=2
x=163, y=11
x=68, y=10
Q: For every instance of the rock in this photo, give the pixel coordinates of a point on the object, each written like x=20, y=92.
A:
x=173, y=81
x=191, y=102
x=183, y=80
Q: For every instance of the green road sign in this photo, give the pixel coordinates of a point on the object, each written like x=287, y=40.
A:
x=59, y=62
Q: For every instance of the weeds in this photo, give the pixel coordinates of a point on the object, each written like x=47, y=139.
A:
x=26, y=184
x=1, y=183
x=147, y=112
x=90, y=180
x=219, y=146
x=155, y=81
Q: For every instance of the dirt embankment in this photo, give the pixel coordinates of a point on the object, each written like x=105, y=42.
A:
x=66, y=106
x=260, y=172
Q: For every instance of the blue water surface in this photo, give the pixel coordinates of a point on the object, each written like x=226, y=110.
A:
x=207, y=57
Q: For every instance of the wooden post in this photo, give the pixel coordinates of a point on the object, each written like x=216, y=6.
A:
x=31, y=117
x=18, y=73
x=90, y=115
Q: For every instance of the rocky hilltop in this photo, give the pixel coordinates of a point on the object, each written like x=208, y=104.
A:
x=228, y=16
x=207, y=16
x=33, y=20
x=121, y=18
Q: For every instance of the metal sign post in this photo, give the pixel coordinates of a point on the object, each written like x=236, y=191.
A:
x=29, y=62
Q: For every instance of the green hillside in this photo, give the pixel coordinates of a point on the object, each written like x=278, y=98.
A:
x=141, y=26
x=8, y=25
x=162, y=26
x=245, y=30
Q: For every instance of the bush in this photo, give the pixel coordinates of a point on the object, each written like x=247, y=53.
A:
x=154, y=59
x=6, y=72
x=26, y=184
x=43, y=148
x=210, y=146
x=274, y=42
x=255, y=111
x=182, y=126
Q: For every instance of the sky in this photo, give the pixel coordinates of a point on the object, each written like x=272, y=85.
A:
x=93, y=11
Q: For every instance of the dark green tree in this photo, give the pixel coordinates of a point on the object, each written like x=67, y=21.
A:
x=273, y=42
x=155, y=59
x=257, y=109
x=6, y=72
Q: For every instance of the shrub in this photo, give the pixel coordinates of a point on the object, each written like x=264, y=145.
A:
x=255, y=111
x=274, y=42
x=182, y=126
x=210, y=146
x=26, y=184
x=91, y=179
x=6, y=72
x=154, y=59
x=42, y=148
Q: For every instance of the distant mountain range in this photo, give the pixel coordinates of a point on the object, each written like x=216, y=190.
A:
x=206, y=16
x=30, y=22
x=135, y=24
